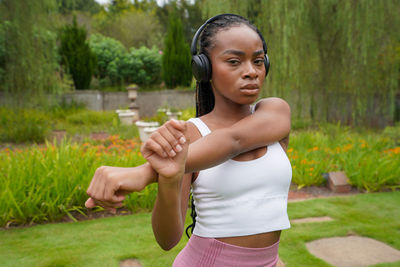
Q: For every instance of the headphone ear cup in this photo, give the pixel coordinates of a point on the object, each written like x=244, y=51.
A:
x=266, y=64
x=201, y=68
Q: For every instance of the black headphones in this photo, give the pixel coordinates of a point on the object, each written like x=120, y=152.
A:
x=201, y=66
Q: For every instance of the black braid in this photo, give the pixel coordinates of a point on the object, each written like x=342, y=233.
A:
x=205, y=100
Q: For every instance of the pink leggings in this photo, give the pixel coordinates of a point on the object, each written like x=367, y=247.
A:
x=208, y=252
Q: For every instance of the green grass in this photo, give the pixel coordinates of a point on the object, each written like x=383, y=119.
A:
x=104, y=242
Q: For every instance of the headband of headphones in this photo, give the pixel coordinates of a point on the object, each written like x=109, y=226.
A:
x=201, y=66
x=193, y=47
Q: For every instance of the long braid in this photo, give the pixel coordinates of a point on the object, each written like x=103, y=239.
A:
x=205, y=99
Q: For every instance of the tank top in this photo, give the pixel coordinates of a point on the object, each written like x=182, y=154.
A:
x=239, y=198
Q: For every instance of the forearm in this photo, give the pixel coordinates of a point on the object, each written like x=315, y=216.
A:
x=167, y=216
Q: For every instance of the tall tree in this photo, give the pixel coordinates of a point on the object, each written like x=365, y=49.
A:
x=176, y=68
x=76, y=55
x=189, y=13
x=331, y=59
x=30, y=61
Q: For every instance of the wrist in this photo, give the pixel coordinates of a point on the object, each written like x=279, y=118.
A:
x=147, y=174
x=171, y=181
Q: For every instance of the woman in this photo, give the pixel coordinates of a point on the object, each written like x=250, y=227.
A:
x=241, y=194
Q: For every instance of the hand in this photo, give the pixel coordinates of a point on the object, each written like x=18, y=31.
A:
x=166, y=141
x=109, y=186
x=166, y=149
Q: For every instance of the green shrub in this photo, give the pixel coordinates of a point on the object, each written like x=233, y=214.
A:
x=76, y=54
x=176, y=66
x=89, y=117
x=22, y=125
x=110, y=53
x=142, y=66
x=393, y=132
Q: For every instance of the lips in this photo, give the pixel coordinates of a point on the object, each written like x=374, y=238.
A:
x=250, y=86
x=250, y=89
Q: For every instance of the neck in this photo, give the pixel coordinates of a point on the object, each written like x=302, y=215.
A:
x=228, y=113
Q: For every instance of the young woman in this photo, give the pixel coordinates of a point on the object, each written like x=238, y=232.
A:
x=236, y=162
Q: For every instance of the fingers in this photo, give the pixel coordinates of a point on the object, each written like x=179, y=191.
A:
x=167, y=141
x=103, y=189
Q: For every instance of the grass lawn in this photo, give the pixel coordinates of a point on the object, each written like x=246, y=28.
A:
x=104, y=242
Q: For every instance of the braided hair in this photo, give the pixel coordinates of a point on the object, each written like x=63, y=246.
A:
x=205, y=100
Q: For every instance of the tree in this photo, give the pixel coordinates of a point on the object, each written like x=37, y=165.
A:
x=29, y=54
x=188, y=11
x=76, y=55
x=66, y=6
x=176, y=67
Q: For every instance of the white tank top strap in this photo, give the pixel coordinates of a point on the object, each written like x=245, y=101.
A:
x=201, y=126
x=253, y=108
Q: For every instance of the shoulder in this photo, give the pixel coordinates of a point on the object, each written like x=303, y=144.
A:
x=275, y=104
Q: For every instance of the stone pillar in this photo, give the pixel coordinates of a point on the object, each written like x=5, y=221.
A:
x=132, y=95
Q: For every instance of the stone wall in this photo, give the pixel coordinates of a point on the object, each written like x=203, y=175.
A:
x=148, y=102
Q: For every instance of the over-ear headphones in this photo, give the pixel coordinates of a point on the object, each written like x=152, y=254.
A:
x=201, y=66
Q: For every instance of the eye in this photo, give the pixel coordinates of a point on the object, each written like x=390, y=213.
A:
x=259, y=61
x=233, y=62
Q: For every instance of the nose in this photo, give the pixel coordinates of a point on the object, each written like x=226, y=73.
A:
x=250, y=71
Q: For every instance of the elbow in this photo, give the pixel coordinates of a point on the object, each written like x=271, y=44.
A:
x=236, y=144
x=167, y=245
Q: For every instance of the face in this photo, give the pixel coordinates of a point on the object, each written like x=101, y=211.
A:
x=238, y=70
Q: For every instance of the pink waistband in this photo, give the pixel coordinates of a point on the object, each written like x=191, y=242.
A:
x=201, y=251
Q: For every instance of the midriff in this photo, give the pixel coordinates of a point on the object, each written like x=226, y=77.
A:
x=253, y=241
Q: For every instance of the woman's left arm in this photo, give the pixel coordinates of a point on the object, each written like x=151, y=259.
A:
x=268, y=124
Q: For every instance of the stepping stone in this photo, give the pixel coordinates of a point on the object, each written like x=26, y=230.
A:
x=353, y=251
x=130, y=263
x=312, y=219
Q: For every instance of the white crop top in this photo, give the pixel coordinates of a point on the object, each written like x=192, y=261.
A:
x=239, y=198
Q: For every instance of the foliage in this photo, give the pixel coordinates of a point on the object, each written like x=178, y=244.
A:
x=66, y=6
x=132, y=27
x=76, y=54
x=369, y=159
x=332, y=60
x=176, y=67
x=44, y=183
x=30, y=61
x=142, y=66
x=3, y=51
x=23, y=125
x=189, y=13
x=109, y=53
x=90, y=117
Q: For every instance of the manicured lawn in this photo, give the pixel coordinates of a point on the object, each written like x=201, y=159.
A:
x=104, y=242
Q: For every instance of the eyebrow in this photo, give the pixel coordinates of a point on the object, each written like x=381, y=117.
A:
x=241, y=53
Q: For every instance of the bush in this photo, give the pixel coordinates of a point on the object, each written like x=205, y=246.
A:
x=176, y=68
x=110, y=53
x=89, y=117
x=142, y=66
x=22, y=125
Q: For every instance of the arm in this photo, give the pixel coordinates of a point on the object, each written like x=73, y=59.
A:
x=268, y=124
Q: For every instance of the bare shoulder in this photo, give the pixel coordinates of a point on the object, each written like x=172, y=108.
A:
x=273, y=104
